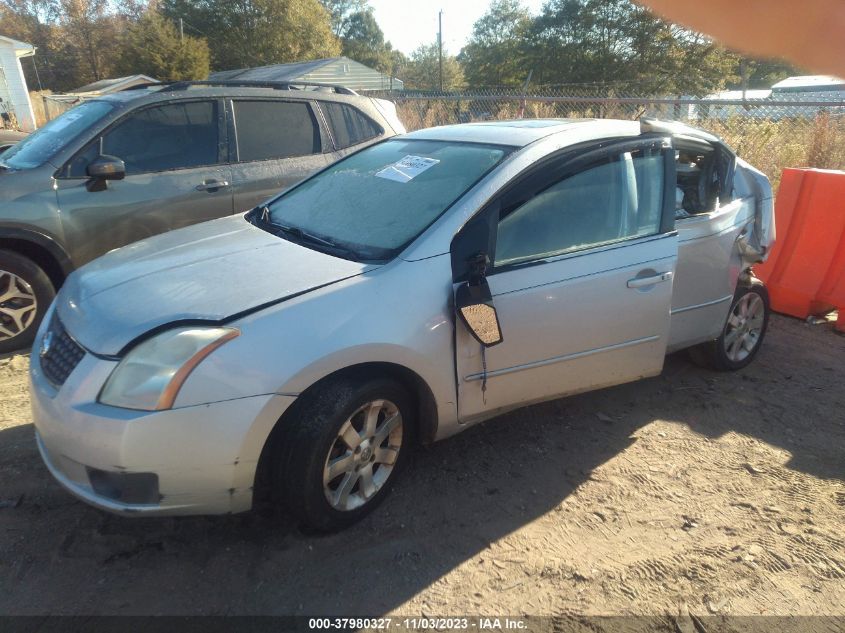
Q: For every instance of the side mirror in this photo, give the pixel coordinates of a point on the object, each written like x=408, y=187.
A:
x=475, y=307
x=106, y=168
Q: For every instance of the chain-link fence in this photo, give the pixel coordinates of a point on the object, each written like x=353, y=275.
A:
x=806, y=130
x=801, y=130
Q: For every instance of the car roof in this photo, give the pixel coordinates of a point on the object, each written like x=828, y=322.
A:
x=522, y=132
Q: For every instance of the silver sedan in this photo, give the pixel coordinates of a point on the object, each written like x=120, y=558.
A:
x=298, y=352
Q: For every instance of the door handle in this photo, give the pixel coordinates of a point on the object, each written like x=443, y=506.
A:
x=212, y=185
x=641, y=282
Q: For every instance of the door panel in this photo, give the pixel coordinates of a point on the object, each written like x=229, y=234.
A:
x=572, y=325
x=140, y=206
x=174, y=154
x=585, y=256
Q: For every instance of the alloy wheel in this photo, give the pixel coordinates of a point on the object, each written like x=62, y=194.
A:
x=744, y=327
x=363, y=455
x=18, y=305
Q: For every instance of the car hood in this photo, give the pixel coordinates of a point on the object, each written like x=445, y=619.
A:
x=207, y=272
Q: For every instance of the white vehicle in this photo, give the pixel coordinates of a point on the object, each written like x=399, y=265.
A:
x=404, y=293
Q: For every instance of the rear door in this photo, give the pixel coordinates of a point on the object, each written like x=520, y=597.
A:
x=581, y=277
x=276, y=144
x=176, y=175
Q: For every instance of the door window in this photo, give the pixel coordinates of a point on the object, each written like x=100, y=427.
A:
x=161, y=138
x=616, y=198
x=172, y=136
x=349, y=126
x=275, y=129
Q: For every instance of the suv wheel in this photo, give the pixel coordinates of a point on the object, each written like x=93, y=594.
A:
x=338, y=455
x=25, y=294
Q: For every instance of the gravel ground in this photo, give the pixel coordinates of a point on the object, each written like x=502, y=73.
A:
x=693, y=492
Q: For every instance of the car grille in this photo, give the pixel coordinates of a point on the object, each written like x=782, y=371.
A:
x=61, y=356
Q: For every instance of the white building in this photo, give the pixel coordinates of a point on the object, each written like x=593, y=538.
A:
x=808, y=86
x=13, y=90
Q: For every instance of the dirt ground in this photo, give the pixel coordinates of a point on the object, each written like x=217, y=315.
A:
x=690, y=492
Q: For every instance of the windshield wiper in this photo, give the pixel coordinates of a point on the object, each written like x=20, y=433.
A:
x=263, y=216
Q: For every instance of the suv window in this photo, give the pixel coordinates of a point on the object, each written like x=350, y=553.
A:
x=275, y=129
x=348, y=125
x=161, y=138
x=616, y=198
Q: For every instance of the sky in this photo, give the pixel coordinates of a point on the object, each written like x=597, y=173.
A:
x=409, y=23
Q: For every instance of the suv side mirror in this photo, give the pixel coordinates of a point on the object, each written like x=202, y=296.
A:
x=102, y=169
x=106, y=167
x=475, y=306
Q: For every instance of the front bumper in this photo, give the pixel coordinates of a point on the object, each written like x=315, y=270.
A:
x=189, y=460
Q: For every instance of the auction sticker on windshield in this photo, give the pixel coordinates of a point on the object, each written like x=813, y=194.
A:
x=407, y=169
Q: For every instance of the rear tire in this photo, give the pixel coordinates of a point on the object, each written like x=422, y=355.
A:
x=742, y=334
x=339, y=451
x=25, y=294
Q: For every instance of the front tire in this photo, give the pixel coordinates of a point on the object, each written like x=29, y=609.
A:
x=742, y=334
x=338, y=454
x=25, y=294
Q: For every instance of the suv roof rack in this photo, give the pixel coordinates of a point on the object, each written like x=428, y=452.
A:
x=237, y=83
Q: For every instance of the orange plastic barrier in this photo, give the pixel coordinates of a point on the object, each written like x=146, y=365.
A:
x=805, y=272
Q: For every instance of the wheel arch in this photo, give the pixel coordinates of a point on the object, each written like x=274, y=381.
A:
x=425, y=404
x=41, y=249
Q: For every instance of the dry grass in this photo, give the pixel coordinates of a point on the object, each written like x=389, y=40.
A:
x=772, y=146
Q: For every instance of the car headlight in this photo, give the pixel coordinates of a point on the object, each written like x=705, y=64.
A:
x=150, y=375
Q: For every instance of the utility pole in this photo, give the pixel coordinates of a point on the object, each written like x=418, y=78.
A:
x=440, y=46
x=181, y=30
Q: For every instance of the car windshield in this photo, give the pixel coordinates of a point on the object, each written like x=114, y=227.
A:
x=376, y=201
x=40, y=146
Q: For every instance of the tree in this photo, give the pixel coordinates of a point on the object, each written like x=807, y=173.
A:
x=28, y=21
x=363, y=41
x=618, y=43
x=153, y=46
x=495, y=55
x=763, y=73
x=422, y=71
x=76, y=40
x=341, y=12
x=249, y=33
x=89, y=36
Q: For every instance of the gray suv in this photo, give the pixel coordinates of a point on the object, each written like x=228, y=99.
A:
x=123, y=167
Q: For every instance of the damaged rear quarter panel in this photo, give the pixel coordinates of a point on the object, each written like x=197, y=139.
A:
x=756, y=244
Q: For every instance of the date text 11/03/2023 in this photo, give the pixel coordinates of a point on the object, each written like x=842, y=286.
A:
x=419, y=624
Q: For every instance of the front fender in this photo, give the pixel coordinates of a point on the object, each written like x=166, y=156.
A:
x=397, y=314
